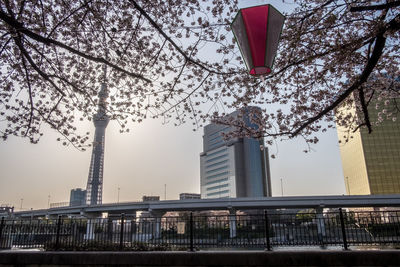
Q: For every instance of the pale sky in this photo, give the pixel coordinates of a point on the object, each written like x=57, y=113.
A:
x=141, y=162
x=150, y=156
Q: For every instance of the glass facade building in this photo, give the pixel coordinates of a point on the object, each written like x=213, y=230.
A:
x=371, y=162
x=77, y=197
x=233, y=168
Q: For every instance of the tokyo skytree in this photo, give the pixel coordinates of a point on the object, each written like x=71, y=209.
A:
x=94, y=188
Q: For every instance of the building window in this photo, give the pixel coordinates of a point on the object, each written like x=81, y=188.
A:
x=217, y=158
x=217, y=181
x=216, y=152
x=219, y=132
x=216, y=164
x=217, y=175
x=218, y=193
x=218, y=169
x=211, y=146
x=215, y=138
x=216, y=187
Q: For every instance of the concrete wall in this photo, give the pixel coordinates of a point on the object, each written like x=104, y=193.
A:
x=203, y=258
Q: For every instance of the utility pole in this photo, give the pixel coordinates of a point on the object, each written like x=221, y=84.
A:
x=165, y=191
x=118, y=195
x=281, y=187
x=22, y=200
x=48, y=201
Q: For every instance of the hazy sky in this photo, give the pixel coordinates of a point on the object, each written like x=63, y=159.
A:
x=146, y=159
x=141, y=162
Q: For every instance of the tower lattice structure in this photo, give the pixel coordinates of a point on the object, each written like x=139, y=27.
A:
x=94, y=188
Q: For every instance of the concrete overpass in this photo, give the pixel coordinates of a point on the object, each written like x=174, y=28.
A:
x=222, y=204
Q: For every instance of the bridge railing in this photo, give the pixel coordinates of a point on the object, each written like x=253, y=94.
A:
x=59, y=205
x=191, y=231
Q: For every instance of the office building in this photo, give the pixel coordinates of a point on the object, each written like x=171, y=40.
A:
x=150, y=198
x=183, y=196
x=371, y=162
x=77, y=197
x=237, y=167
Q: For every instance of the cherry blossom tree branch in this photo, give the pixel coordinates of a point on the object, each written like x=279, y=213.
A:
x=187, y=96
x=33, y=64
x=364, y=109
x=27, y=76
x=85, y=4
x=194, y=71
x=46, y=40
x=186, y=57
x=393, y=25
x=74, y=87
x=54, y=107
x=373, y=60
x=375, y=7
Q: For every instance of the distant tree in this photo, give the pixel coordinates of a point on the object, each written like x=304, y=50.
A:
x=306, y=215
x=177, y=60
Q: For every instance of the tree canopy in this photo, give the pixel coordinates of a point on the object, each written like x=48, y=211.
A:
x=177, y=60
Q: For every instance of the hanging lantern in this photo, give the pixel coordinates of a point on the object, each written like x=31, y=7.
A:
x=257, y=31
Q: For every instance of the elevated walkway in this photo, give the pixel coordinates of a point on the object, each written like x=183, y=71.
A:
x=341, y=201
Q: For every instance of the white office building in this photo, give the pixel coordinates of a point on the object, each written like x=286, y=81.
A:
x=233, y=168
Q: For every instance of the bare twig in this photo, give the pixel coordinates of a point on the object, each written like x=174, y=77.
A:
x=375, y=7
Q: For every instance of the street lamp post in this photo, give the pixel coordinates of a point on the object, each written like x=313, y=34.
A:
x=118, y=195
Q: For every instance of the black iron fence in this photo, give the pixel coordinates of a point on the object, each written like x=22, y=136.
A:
x=193, y=231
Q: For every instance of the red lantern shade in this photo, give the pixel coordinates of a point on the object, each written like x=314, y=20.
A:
x=257, y=31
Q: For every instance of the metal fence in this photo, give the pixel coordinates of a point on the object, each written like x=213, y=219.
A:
x=190, y=232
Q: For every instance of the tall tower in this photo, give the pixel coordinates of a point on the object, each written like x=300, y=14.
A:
x=94, y=186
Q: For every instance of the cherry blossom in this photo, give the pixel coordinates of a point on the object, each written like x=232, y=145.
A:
x=177, y=60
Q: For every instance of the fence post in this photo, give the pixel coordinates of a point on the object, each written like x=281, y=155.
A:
x=58, y=233
x=191, y=248
x=121, y=234
x=109, y=229
x=267, y=234
x=343, y=229
x=1, y=231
